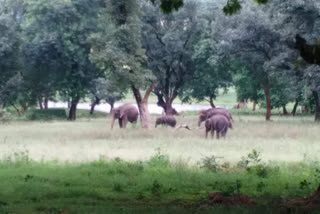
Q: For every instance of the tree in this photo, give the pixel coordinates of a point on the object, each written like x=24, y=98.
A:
x=252, y=37
x=231, y=7
x=210, y=74
x=10, y=53
x=104, y=89
x=169, y=41
x=61, y=30
x=300, y=20
x=247, y=87
x=117, y=51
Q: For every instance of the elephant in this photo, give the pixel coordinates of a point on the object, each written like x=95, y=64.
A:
x=124, y=113
x=218, y=123
x=166, y=120
x=205, y=114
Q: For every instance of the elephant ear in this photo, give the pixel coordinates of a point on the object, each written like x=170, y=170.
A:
x=122, y=113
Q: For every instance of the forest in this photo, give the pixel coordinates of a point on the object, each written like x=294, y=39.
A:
x=258, y=61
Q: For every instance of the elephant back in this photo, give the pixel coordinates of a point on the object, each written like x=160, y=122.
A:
x=129, y=111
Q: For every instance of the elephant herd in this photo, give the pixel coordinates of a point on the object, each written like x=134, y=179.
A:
x=217, y=120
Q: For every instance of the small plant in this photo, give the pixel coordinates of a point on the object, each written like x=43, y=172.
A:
x=304, y=184
x=210, y=163
x=117, y=187
x=233, y=188
x=260, y=170
x=317, y=174
x=260, y=186
x=19, y=157
x=159, y=159
x=253, y=158
x=156, y=188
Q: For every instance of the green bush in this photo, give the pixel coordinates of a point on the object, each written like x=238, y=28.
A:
x=46, y=114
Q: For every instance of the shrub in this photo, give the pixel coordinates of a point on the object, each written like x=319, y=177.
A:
x=159, y=159
x=210, y=163
x=46, y=114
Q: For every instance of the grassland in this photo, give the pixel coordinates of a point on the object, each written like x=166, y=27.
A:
x=84, y=167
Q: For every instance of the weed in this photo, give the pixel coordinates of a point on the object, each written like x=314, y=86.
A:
x=117, y=187
x=159, y=159
x=156, y=188
x=210, y=163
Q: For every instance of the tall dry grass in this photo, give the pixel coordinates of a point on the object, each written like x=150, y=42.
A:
x=284, y=139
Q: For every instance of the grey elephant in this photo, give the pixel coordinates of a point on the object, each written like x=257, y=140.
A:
x=166, y=120
x=124, y=113
x=218, y=123
x=205, y=114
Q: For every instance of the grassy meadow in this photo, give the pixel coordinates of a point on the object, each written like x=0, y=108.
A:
x=84, y=167
x=50, y=165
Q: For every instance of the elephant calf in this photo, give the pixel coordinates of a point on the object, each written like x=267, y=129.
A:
x=124, y=113
x=166, y=120
x=218, y=123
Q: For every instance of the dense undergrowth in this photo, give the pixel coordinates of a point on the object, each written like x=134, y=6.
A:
x=153, y=186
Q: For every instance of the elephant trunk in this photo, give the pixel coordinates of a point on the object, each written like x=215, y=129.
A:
x=112, y=119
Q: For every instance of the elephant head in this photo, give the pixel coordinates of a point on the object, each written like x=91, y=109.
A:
x=114, y=115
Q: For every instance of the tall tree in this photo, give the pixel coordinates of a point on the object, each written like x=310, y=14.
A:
x=117, y=50
x=61, y=30
x=169, y=41
x=10, y=52
x=252, y=37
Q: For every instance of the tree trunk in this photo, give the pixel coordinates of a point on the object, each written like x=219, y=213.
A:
x=18, y=111
x=40, y=102
x=254, y=105
x=317, y=99
x=69, y=103
x=294, y=110
x=143, y=106
x=167, y=104
x=25, y=108
x=284, y=109
x=73, y=109
x=93, y=105
x=211, y=102
x=266, y=88
x=46, y=102
x=111, y=107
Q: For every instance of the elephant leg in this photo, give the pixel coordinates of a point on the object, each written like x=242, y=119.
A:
x=218, y=135
x=212, y=133
x=124, y=122
x=120, y=123
x=207, y=133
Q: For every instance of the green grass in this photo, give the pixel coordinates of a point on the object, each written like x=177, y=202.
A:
x=129, y=187
x=84, y=167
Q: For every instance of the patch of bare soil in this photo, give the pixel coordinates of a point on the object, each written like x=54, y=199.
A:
x=310, y=203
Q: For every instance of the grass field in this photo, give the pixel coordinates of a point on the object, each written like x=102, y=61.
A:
x=84, y=167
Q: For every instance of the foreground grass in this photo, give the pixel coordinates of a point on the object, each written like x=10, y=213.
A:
x=84, y=167
x=154, y=186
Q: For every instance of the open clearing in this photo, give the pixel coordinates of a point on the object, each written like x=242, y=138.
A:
x=78, y=166
x=284, y=139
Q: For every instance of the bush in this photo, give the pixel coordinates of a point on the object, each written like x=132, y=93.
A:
x=46, y=114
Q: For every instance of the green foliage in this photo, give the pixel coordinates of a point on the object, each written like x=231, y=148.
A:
x=46, y=114
x=232, y=7
x=122, y=58
x=247, y=87
x=168, y=6
x=252, y=159
x=159, y=159
x=210, y=163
